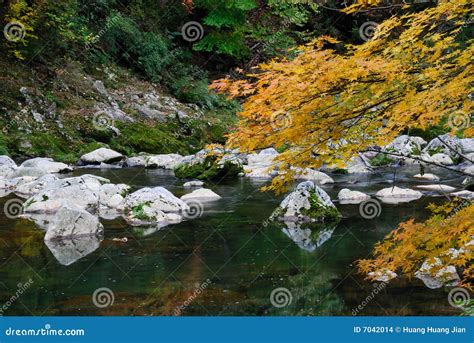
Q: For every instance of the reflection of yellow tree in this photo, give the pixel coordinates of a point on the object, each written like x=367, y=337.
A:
x=406, y=248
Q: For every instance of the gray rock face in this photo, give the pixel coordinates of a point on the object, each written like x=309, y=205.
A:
x=315, y=176
x=36, y=186
x=113, y=196
x=261, y=164
x=101, y=155
x=307, y=202
x=165, y=161
x=157, y=197
x=68, y=251
x=72, y=222
x=406, y=145
x=136, y=162
x=467, y=145
x=46, y=164
x=359, y=165
x=445, y=144
x=6, y=161
x=446, y=275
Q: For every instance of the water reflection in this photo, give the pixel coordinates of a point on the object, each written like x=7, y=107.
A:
x=71, y=250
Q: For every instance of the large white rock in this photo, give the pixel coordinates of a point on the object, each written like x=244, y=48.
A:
x=436, y=188
x=294, y=205
x=261, y=164
x=165, y=161
x=446, y=275
x=397, y=195
x=426, y=176
x=467, y=145
x=6, y=183
x=315, y=176
x=469, y=170
x=443, y=159
x=68, y=251
x=50, y=200
x=406, y=145
x=346, y=196
x=113, y=196
x=101, y=155
x=28, y=171
x=159, y=198
x=359, y=165
x=446, y=144
x=36, y=186
x=46, y=164
x=136, y=162
x=6, y=161
x=71, y=221
x=201, y=194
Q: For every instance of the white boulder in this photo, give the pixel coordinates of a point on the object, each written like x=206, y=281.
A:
x=191, y=184
x=101, y=155
x=397, y=195
x=445, y=275
x=201, y=194
x=346, y=196
x=315, y=176
x=46, y=164
x=426, y=176
x=71, y=221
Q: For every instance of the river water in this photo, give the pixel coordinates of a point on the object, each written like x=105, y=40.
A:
x=227, y=262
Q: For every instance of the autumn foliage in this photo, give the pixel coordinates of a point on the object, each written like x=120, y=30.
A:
x=334, y=100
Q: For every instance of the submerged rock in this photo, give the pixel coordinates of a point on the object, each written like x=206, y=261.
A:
x=436, y=188
x=72, y=222
x=427, y=176
x=101, y=155
x=308, y=203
